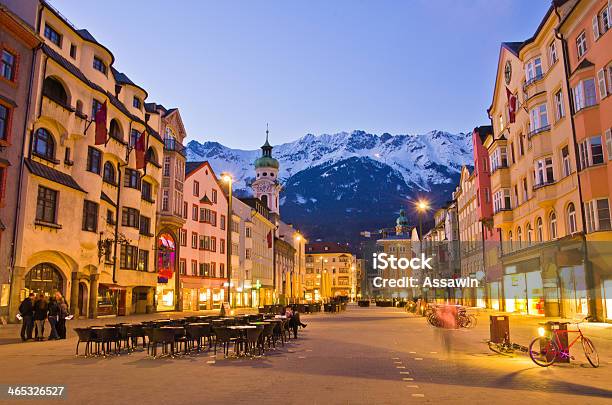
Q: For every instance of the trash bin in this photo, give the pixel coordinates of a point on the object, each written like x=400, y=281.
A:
x=551, y=326
x=499, y=328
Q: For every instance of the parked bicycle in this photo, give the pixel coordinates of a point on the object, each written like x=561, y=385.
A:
x=506, y=348
x=449, y=316
x=545, y=350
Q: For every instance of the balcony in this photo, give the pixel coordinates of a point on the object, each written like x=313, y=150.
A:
x=503, y=216
x=533, y=87
x=500, y=177
x=545, y=128
x=56, y=111
x=172, y=145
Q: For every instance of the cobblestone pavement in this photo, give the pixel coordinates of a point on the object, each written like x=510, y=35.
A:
x=361, y=356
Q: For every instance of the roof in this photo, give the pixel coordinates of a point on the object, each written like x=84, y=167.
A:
x=192, y=167
x=483, y=131
x=59, y=59
x=87, y=35
x=326, y=247
x=583, y=65
x=513, y=47
x=105, y=197
x=54, y=175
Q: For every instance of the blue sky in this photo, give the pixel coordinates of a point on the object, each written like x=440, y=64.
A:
x=318, y=66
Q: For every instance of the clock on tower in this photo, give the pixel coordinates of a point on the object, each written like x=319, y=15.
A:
x=266, y=186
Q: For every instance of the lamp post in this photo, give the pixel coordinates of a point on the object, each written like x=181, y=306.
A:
x=227, y=178
x=298, y=239
x=422, y=206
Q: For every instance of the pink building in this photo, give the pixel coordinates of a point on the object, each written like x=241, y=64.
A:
x=203, y=257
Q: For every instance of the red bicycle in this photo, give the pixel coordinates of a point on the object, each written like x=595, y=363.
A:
x=545, y=350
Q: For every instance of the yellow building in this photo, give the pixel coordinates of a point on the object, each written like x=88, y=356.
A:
x=88, y=215
x=534, y=181
x=330, y=272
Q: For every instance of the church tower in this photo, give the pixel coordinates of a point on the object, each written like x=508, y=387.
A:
x=266, y=186
x=401, y=224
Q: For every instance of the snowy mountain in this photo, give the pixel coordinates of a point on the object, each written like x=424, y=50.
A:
x=338, y=185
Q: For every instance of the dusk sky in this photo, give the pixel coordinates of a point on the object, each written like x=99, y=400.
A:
x=312, y=66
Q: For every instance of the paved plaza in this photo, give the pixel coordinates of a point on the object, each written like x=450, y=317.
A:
x=361, y=356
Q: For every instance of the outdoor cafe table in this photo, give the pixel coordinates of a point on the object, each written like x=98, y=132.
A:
x=242, y=329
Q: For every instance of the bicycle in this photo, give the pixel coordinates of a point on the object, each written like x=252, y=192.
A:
x=544, y=350
x=506, y=348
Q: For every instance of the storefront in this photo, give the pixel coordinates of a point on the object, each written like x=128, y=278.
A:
x=165, y=294
x=44, y=278
x=111, y=300
x=495, y=294
x=523, y=292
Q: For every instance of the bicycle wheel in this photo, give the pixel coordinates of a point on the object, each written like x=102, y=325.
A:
x=473, y=321
x=590, y=352
x=499, y=348
x=543, y=351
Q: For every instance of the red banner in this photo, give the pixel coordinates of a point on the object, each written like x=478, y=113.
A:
x=140, y=151
x=100, y=120
x=511, y=106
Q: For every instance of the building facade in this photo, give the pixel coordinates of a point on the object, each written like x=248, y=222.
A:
x=330, y=271
x=87, y=212
x=18, y=58
x=202, y=240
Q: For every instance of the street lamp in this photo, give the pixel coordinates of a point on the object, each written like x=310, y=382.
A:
x=227, y=178
x=298, y=239
x=422, y=206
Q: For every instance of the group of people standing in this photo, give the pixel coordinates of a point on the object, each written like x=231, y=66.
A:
x=36, y=310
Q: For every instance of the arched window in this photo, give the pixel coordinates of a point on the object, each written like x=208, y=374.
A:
x=264, y=200
x=44, y=145
x=109, y=173
x=115, y=130
x=571, y=219
x=553, y=225
x=53, y=89
x=44, y=278
x=519, y=236
x=529, y=234
x=152, y=157
x=539, y=230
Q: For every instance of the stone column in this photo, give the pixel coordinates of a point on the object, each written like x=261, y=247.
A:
x=93, y=295
x=74, y=294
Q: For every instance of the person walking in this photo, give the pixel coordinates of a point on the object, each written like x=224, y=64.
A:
x=41, y=309
x=53, y=316
x=61, y=325
x=26, y=310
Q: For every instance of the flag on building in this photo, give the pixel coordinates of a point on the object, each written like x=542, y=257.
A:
x=140, y=147
x=512, y=102
x=100, y=120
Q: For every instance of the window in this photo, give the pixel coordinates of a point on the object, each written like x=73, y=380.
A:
x=7, y=65
x=248, y=254
x=183, y=267
x=94, y=160
x=601, y=81
x=194, y=240
x=553, y=225
x=539, y=230
x=248, y=232
x=581, y=44
x=196, y=188
x=46, y=205
x=4, y=120
x=146, y=191
x=544, y=171
x=222, y=223
x=222, y=246
x=194, y=267
x=222, y=270
x=521, y=145
x=601, y=22
x=571, y=219
x=108, y=176
x=110, y=217
x=136, y=102
x=183, y=237
x=44, y=145
x=99, y=65
x=539, y=118
x=552, y=53
x=609, y=143
x=525, y=190
x=533, y=70
x=134, y=135
x=128, y=257
x=167, y=166
x=115, y=131
x=145, y=226
x=90, y=216
x=519, y=236
x=130, y=217
x=499, y=158
x=529, y=234
x=591, y=152
x=194, y=212
x=53, y=36
x=559, y=109
x=185, y=209
x=567, y=168
x=73, y=50
x=213, y=244
x=597, y=214
x=132, y=179
x=584, y=94
x=165, y=200
x=95, y=107
x=143, y=260
x=214, y=196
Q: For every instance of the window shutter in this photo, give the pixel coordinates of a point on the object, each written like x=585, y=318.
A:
x=608, y=136
x=609, y=13
x=601, y=79
x=596, y=27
